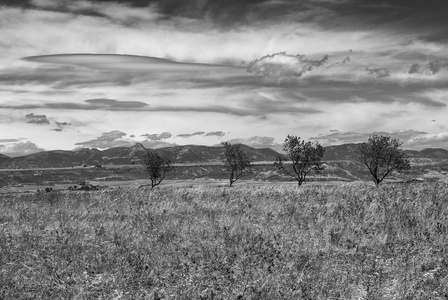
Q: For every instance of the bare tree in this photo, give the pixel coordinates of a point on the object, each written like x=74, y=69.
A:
x=156, y=166
x=235, y=160
x=382, y=155
x=305, y=157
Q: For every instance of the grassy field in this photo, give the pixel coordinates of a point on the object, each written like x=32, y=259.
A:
x=346, y=241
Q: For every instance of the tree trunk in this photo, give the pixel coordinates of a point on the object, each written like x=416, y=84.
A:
x=231, y=179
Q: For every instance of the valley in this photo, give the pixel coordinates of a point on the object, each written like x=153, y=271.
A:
x=193, y=164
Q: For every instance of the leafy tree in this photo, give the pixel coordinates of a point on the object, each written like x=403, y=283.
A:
x=305, y=157
x=156, y=166
x=382, y=155
x=235, y=160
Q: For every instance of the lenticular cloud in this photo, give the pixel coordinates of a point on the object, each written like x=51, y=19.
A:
x=281, y=64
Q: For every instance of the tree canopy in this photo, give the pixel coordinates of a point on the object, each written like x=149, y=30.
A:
x=382, y=155
x=156, y=166
x=236, y=161
x=305, y=157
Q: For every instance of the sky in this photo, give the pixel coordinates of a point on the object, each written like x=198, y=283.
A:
x=101, y=74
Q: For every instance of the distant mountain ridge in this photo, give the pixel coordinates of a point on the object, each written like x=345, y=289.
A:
x=185, y=154
x=348, y=152
x=126, y=156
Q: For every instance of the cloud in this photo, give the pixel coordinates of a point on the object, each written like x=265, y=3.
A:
x=219, y=134
x=216, y=133
x=118, y=138
x=90, y=104
x=250, y=108
x=233, y=13
x=379, y=72
x=430, y=68
x=116, y=104
x=122, y=63
x=411, y=139
x=61, y=126
x=15, y=148
x=163, y=73
x=356, y=68
x=336, y=137
x=429, y=140
x=37, y=119
x=281, y=64
x=187, y=135
x=58, y=78
x=157, y=137
x=257, y=142
x=150, y=144
x=10, y=140
x=115, y=11
x=110, y=139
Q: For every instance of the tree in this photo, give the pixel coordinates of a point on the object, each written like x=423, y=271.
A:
x=382, y=155
x=305, y=157
x=235, y=160
x=156, y=166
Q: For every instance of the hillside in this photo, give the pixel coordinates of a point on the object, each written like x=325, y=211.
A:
x=340, y=161
x=4, y=158
x=127, y=156
x=340, y=152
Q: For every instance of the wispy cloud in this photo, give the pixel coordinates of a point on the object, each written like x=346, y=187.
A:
x=216, y=133
x=157, y=137
x=116, y=104
x=115, y=11
x=37, y=119
x=281, y=64
x=9, y=140
x=430, y=140
x=411, y=139
x=187, y=135
x=110, y=139
x=61, y=126
x=118, y=138
x=157, y=144
x=121, y=63
x=257, y=142
x=91, y=104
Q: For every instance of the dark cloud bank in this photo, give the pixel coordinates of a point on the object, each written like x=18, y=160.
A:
x=418, y=15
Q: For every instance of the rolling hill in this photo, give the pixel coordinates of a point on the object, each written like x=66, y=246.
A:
x=4, y=158
x=127, y=156
x=340, y=161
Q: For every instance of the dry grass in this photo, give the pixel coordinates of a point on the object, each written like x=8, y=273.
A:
x=350, y=241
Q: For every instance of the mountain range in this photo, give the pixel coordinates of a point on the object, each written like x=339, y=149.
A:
x=186, y=154
x=199, y=162
x=126, y=156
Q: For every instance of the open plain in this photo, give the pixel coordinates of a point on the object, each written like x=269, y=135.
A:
x=252, y=241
